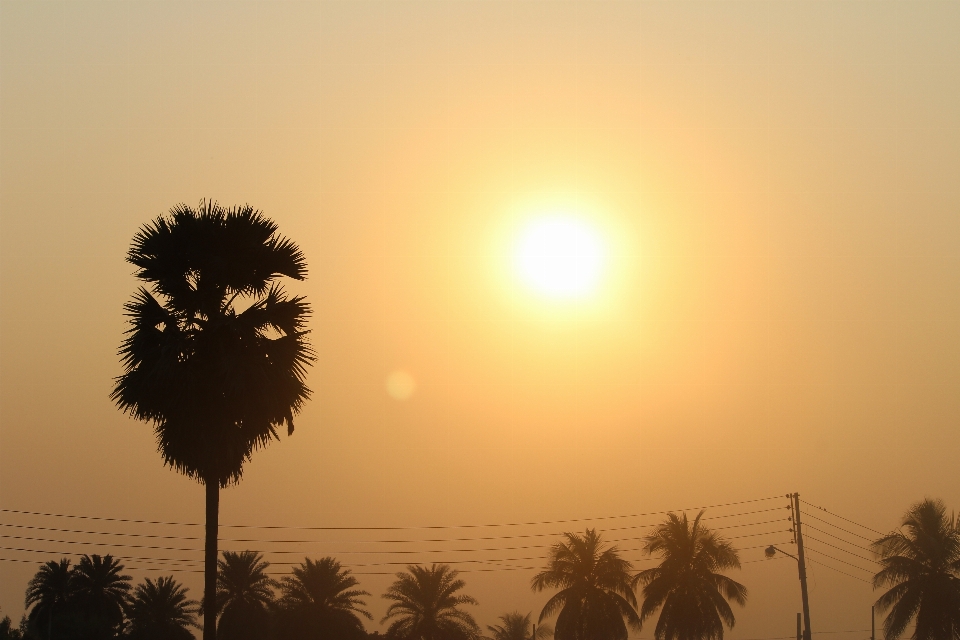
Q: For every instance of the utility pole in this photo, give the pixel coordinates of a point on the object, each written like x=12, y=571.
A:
x=873, y=624
x=800, y=628
x=802, y=567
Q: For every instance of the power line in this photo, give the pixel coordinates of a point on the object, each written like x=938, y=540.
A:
x=835, y=526
x=842, y=518
x=856, y=555
x=410, y=528
x=849, y=575
x=849, y=564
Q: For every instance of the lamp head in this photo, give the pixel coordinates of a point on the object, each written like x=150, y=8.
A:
x=770, y=551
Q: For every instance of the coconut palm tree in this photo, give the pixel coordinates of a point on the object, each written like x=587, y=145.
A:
x=161, y=611
x=244, y=596
x=426, y=606
x=49, y=592
x=319, y=601
x=921, y=565
x=595, y=598
x=516, y=626
x=216, y=352
x=100, y=592
x=686, y=585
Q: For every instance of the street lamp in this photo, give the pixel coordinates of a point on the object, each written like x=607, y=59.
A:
x=772, y=551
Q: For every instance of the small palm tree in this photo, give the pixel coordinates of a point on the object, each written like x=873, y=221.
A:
x=161, y=611
x=244, y=596
x=921, y=565
x=595, y=598
x=319, y=601
x=216, y=353
x=426, y=606
x=100, y=591
x=516, y=626
x=686, y=585
x=49, y=592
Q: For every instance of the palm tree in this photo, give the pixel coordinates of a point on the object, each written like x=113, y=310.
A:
x=693, y=596
x=516, y=626
x=319, y=601
x=161, y=611
x=216, y=353
x=922, y=567
x=100, y=592
x=244, y=596
x=48, y=592
x=595, y=598
x=425, y=606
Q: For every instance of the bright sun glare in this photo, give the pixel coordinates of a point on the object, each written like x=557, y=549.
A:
x=559, y=257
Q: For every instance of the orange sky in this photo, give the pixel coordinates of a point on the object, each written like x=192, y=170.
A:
x=777, y=181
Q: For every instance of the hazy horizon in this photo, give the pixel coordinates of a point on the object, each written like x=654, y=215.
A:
x=777, y=186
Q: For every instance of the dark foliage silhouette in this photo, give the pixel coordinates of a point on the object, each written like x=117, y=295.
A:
x=426, y=606
x=49, y=593
x=686, y=586
x=99, y=592
x=216, y=352
x=8, y=631
x=319, y=601
x=516, y=626
x=921, y=565
x=161, y=610
x=595, y=600
x=244, y=596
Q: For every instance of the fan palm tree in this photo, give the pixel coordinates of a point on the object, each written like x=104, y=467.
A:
x=216, y=352
x=921, y=565
x=100, y=592
x=426, y=606
x=49, y=592
x=516, y=626
x=161, y=611
x=319, y=601
x=595, y=598
x=244, y=596
x=693, y=596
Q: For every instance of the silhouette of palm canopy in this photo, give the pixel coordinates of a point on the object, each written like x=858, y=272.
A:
x=100, y=587
x=686, y=585
x=595, y=599
x=244, y=595
x=214, y=379
x=161, y=610
x=921, y=565
x=319, y=601
x=49, y=591
x=426, y=606
x=516, y=626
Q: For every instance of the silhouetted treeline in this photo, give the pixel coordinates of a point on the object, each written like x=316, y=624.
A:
x=597, y=593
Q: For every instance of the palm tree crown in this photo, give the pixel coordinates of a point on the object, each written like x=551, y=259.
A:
x=693, y=596
x=161, y=611
x=516, y=626
x=244, y=595
x=319, y=601
x=215, y=381
x=921, y=565
x=426, y=606
x=48, y=592
x=100, y=587
x=595, y=598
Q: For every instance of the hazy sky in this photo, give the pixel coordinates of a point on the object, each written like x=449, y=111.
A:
x=777, y=183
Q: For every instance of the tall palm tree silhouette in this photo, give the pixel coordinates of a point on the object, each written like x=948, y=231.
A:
x=161, y=610
x=921, y=565
x=426, y=606
x=319, y=601
x=595, y=598
x=516, y=626
x=49, y=592
x=693, y=596
x=244, y=596
x=100, y=591
x=216, y=353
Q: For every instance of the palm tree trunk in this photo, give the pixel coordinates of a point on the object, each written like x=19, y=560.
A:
x=210, y=561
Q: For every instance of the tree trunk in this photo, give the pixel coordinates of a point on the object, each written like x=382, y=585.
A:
x=210, y=561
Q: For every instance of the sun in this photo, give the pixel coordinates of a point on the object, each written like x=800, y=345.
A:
x=560, y=257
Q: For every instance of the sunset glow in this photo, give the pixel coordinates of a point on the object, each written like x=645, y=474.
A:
x=559, y=257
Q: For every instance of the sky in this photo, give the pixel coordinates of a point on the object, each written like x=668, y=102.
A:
x=775, y=185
